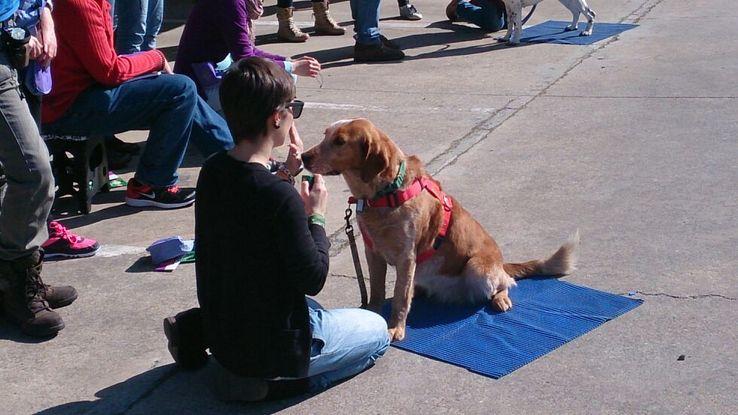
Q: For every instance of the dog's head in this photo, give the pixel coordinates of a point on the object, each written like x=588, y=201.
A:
x=354, y=148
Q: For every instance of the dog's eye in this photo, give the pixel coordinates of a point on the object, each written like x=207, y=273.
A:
x=339, y=141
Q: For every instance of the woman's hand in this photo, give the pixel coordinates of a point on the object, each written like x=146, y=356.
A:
x=294, y=156
x=306, y=66
x=48, y=37
x=315, y=199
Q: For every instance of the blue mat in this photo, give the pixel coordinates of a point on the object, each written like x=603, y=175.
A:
x=546, y=314
x=552, y=31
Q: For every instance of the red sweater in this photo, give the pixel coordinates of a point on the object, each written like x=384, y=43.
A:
x=86, y=55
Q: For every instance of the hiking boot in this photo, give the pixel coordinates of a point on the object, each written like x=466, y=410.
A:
x=324, y=23
x=23, y=297
x=186, y=339
x=64, y=244
x=409, y=12
x=288, y=31
x=451, y=11
x=168, y=197
x=376, y=53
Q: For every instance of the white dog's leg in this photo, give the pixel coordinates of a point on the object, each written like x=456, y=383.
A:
x=510, y=26
x=514, y=16
x=590, y=14
x=575, y=8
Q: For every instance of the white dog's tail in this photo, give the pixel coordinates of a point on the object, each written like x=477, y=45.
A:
x=562, y=262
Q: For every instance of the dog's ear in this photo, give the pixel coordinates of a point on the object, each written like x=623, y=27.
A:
x=376, y=158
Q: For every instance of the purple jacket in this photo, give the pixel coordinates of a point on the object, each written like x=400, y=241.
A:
x=214, y=29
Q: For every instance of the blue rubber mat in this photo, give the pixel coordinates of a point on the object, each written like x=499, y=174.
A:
x=552, y=31
x=546, y=314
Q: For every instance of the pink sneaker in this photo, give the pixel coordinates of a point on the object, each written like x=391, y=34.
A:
x=64, y=244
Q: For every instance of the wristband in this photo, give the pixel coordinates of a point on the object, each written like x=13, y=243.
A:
x=288, y=66
x=317, y=219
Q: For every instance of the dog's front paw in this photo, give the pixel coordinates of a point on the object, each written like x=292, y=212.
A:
x=586, y=33
x=501, y=302
x=570, y=28
x=502, y=39
x=396, y=334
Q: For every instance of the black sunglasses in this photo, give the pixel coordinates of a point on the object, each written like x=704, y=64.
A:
x=296, y=106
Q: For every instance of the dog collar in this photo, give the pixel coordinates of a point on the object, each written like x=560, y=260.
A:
x=396, y=184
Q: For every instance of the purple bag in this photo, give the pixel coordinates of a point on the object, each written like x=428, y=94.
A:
x=38, y=78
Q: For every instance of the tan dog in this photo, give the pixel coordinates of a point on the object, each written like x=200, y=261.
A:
x=467, y=265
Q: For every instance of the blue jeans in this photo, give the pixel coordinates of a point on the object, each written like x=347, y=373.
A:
x=488, y=17
x=167, y=105
x=366, y=21
x=345, y=342
x=138, y=24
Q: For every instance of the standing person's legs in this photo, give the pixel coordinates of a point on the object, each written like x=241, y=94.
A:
x=29, y=191
x=131, y=16
x=345, y=342
x=366, y=25
x=288, y=30
x=154, y=17
x=167, y=105
x=408, y=11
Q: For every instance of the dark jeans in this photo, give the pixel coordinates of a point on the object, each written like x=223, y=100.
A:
x=489, y=15
x=167, y=105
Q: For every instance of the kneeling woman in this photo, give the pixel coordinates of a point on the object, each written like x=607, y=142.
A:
x=261, y=248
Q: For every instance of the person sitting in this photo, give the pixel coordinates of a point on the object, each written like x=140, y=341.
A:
x=489, y=15
x=98, y=92
x=221, y=31
x=261, y=248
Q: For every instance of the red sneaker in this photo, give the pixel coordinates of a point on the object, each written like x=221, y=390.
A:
x=170, y=197
x=64, y=244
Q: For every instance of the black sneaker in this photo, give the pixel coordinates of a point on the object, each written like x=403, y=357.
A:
x=170, y=197
x=388, y=43
x=376, y=53
x=185, y=339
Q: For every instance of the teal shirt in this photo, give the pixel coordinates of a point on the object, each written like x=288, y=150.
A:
x=7, y=8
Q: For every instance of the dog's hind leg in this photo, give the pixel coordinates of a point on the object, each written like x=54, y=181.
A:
x=590, y=14
x=377, y=276
x=487, y=280
x=576, y=9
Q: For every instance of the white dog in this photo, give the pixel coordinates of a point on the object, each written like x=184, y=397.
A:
x=514, y=9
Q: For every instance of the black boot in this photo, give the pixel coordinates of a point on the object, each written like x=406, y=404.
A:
x=23, y=297
x=57, y=296
x=186, y=339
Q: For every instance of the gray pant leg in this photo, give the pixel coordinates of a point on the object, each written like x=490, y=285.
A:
x=29, y=192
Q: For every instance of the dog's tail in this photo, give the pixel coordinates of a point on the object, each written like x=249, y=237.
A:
x=561, y=263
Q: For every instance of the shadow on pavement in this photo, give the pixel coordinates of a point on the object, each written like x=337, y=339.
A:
x=9, y=331
x=167, y=390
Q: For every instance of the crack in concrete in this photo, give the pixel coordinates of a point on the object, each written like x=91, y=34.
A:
x=681, y=297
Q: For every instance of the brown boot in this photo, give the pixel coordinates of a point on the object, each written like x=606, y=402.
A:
x=23, y=297
x=288, y=31
x=324, y=23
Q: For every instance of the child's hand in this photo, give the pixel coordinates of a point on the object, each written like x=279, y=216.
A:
x=294, y=156
x=306, y=66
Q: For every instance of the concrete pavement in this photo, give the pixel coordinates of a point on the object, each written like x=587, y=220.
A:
x=633, y=141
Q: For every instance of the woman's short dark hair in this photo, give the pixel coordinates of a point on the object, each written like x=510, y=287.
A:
x=251, y=90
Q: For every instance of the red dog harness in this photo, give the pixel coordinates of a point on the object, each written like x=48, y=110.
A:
x=398, y=197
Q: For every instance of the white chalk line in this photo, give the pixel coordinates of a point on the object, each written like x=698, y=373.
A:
x=405, y=108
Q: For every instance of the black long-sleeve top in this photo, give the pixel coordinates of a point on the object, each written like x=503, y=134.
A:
x=257, y=258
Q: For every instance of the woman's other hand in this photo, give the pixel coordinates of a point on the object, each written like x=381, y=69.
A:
x=306, y=66
x=294, y=156
x=316, y=198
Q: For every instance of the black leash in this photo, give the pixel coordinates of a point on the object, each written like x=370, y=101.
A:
x=530, y=13
x=355, y=256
